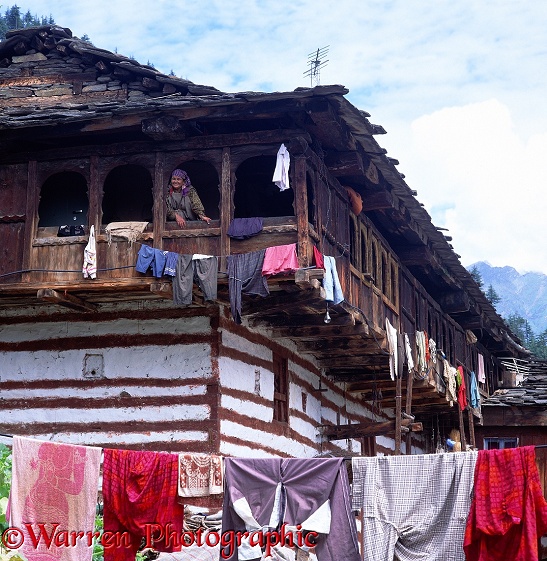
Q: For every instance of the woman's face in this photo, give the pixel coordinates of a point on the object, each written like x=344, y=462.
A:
x=177, y=183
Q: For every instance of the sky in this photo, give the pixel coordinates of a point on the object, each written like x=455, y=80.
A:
x=460, y=87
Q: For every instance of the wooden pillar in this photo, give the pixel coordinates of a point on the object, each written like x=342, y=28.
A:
x=94, y=191
x=158, y=193
x=398, y=413
x=408, y=409
x=471, y=421
x=31, y=213
x=226, y=206
x=462, y=427
x=301, y=210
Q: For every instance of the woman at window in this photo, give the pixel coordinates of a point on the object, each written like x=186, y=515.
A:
x=183, y=202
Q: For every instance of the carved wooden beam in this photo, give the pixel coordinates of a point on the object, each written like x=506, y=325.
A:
x=360, y=430
x=65, y=299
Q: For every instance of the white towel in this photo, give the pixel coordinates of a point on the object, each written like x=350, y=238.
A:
x=89, y=268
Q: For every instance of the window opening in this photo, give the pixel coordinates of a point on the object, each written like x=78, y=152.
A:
x=495, y=443
x=281, y=389
x=204, y=178
x=63, y=200
x=255, y=192
x=127, y=195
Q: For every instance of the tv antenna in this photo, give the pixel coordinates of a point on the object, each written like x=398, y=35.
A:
x=316, y=62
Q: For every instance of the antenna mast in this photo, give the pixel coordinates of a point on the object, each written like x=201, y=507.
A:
x=316, y=62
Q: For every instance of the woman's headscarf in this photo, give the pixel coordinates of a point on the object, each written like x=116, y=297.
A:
x=184, y=176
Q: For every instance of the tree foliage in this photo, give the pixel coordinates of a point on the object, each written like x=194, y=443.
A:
x=537, y=344
x=477, y=277
x=13, y=18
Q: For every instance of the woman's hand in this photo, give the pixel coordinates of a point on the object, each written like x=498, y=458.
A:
x=180, y=221
x=206, y=219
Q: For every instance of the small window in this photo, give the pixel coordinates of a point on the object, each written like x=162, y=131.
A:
x=63, y=200
x=281, y=389
x=495, y=443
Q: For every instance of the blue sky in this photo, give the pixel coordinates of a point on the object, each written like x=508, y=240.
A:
x=460, y=88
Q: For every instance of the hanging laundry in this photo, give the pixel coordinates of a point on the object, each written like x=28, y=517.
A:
x=149, y=257
x=420, y=348
x=331, y=282
x=462, y=390
x=245, y=276
x=171, y=260
x=54, y=484
x=449, y=375
x=474, y=394
x=89, y=268
x=481, y=375
x=509, y=513
x=203, y=271
x=318, y=258
x=281, y=172
x=276, y=493
x=243, y=228
x=280, y=259
x=139, y=489
x=200, y=475
x=391, y=335
x=127, y=230
x=414, y=507
x=408, y=351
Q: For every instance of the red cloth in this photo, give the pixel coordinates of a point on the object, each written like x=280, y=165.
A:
x=462, y=391
x=139, y=490
x=508, y=513
x=280, y=259
x=318, y=256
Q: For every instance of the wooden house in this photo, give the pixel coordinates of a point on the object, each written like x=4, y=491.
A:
x=91, y=137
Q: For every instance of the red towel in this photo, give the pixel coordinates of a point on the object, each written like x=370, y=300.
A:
x=462, y=390
x=139, y=491
x=318, y=256
x=508, y=513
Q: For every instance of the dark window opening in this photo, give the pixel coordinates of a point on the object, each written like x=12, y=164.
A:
x=204, y=178
x=500, y=443
x=374, y=264
x=281, y=389
x=394, y=295
x=63, y=200
x=385, y=273
x=128, y=195
x=364, y=252
x=255, y=192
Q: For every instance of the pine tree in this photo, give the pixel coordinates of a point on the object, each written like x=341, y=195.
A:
x=492, y=296
x=474, y=272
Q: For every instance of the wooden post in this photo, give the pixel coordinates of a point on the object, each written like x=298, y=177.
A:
x=94, y=193
x=471, y=421
x=226, y=205
x=408, y=409
x=301, y=210
x=158, y=194
x=462, y=427
x=31, y=212
x=398, y=414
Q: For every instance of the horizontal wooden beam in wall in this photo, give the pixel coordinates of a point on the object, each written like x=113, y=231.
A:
x=361, y=430
x=65, y=299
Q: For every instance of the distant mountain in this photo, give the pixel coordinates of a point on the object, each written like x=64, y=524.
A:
x=525, y=295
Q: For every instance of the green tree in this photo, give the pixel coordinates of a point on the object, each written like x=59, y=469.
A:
x=12, y=19
x=474, y=272
x=492, y=296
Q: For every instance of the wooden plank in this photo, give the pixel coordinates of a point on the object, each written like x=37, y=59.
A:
x=159, y=203
x=31, y=212
x=226, y=206
x=360, y=430
x=65, y=299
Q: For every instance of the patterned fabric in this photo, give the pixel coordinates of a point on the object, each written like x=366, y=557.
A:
x=54, y=484
x=508, y=513
x=139, y=489
x=449, y=375
x=414, y=507
x=280, y=259
x=200, y=475
x=127, y=230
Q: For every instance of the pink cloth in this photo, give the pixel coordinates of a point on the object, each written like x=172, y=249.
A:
x=54, y=484
x=280, y=259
